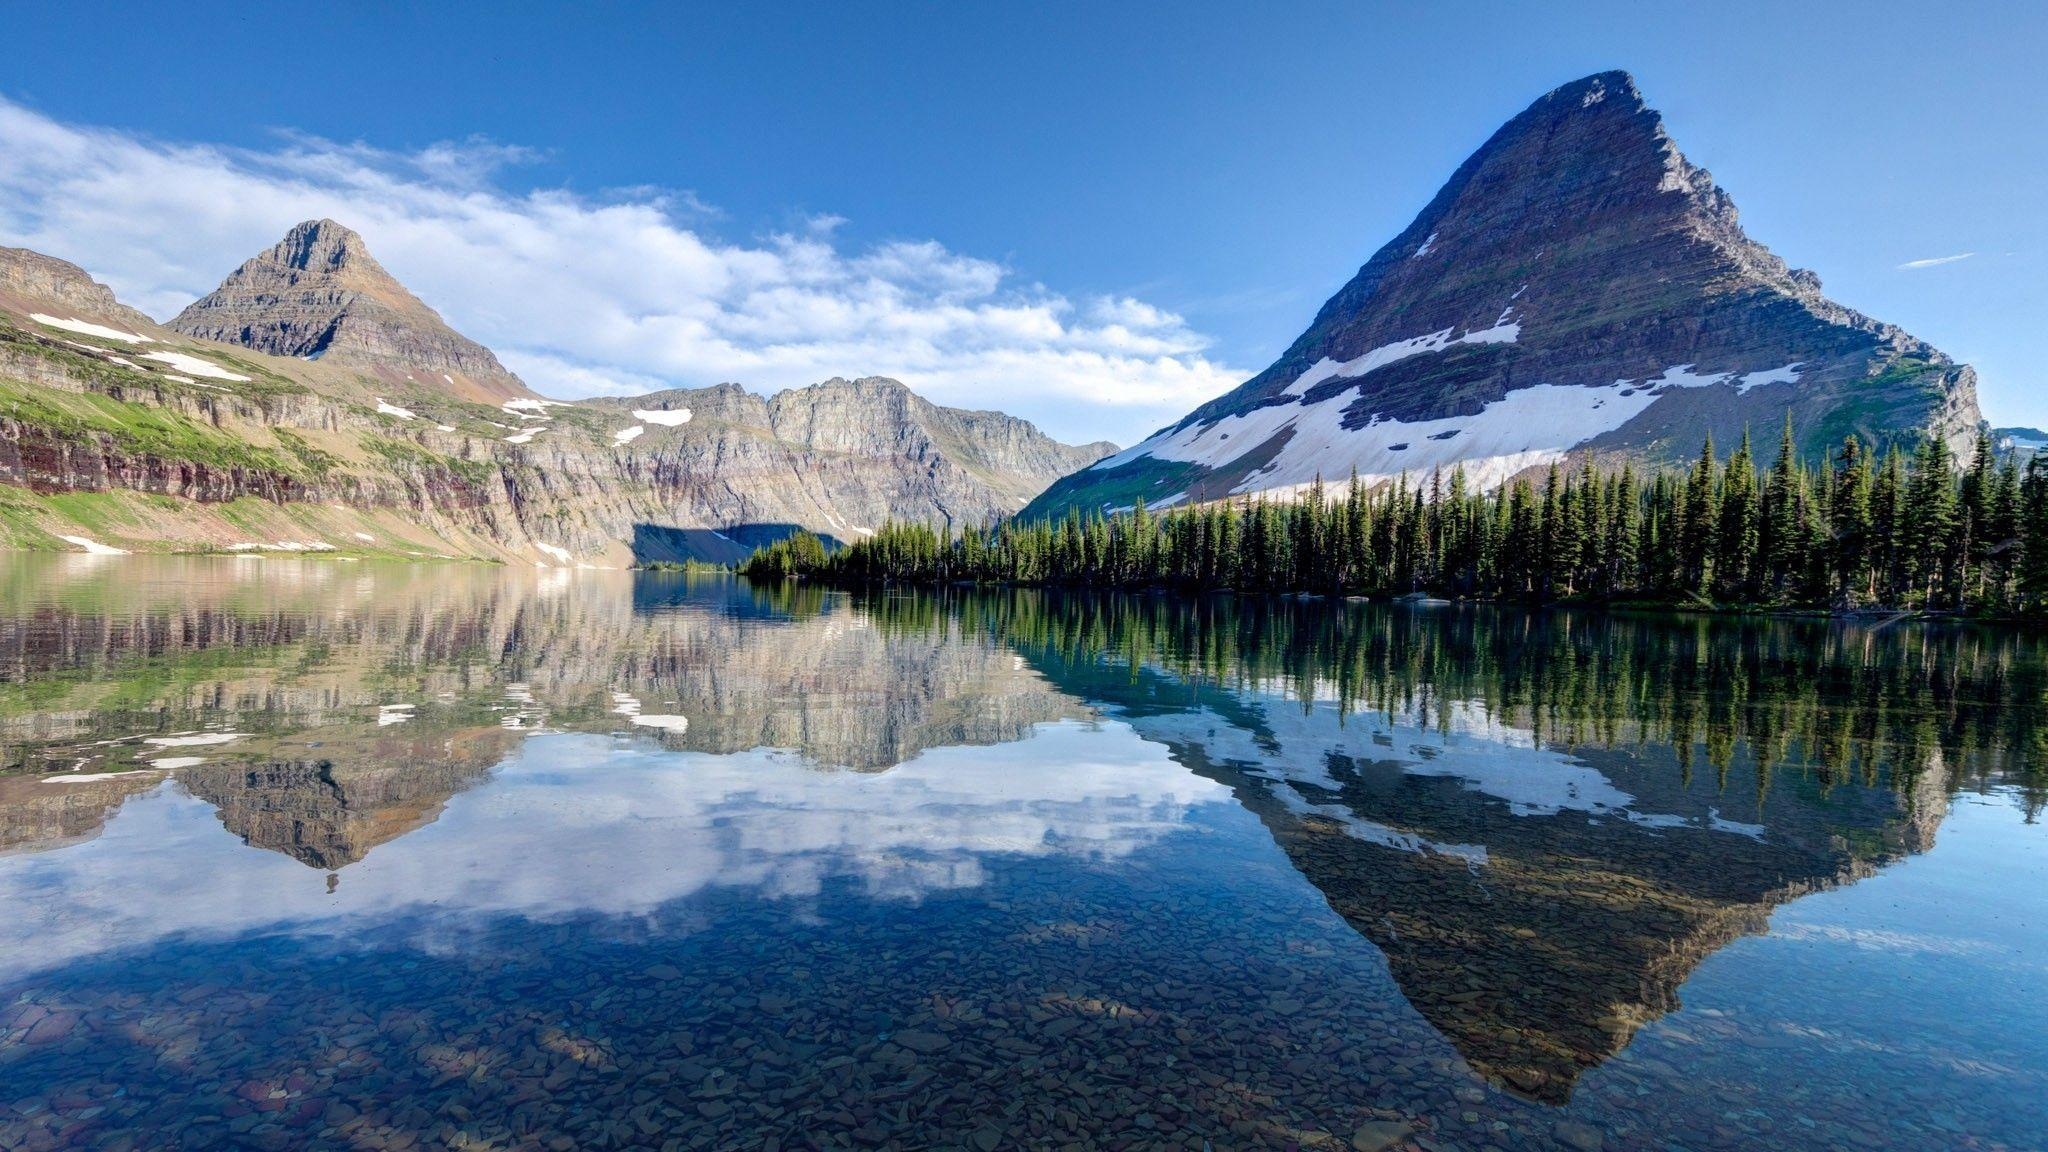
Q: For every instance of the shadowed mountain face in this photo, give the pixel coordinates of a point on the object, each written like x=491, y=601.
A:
x=1577, y=287
x=318, y=294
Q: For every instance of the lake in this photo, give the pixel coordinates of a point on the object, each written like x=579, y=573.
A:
x=309, y=854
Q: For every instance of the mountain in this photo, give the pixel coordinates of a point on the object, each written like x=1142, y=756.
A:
x=2020, y=441
x=1577, y=287
x=33, y=279
x=841, y=452
x=318, y=294
x=341, y=415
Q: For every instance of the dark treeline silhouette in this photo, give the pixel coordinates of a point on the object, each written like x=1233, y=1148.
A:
x=1824, y=702
x=1897, y=531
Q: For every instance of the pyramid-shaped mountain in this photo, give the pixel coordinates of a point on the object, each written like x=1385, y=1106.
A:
x=320, y=295
x=1577, y=287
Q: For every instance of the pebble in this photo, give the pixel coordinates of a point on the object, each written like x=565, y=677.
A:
x=1379, y=1135
x=1580, y=1135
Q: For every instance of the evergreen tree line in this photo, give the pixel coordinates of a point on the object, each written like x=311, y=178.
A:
x=1902, y=530
x=1807, y=704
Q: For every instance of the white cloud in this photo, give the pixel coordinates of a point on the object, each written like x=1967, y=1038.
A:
x=584, y=295
x=1934, y=261
x=558, y=815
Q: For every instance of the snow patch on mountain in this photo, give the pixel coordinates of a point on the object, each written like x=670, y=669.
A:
x=94, y=547
x=1789, y=374
x=1502, y=332
x=193, y=365
x=87, y=328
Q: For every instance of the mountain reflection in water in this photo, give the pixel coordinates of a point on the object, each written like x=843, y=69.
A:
x=1543, y=824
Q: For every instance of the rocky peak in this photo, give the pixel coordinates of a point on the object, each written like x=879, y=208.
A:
x=318, y=294
x=325, y=246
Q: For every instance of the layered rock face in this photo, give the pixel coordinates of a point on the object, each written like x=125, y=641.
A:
x=840, y=458
x=1577, y=287
x=319, y=295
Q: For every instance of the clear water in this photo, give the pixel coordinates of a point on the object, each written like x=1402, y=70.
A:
x=300, y=854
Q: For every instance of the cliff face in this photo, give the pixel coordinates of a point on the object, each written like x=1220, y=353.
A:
x=365, y=448
x=1577, y=287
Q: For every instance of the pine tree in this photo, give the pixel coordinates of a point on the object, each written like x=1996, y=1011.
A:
x=1696, y=522
x=1930, y=522
x=1849, y=519
x=1736, y=535
x=2033, y=531
x=1777, y=521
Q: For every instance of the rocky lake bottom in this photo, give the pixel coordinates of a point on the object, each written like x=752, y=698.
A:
x=297, y=854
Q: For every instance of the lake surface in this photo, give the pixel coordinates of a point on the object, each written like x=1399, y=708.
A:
x=302, y=854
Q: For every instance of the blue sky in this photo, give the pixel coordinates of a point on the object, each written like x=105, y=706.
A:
x=1093, y=215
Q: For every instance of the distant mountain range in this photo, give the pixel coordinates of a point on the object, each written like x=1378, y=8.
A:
x=1578, y=287
x=313, y=404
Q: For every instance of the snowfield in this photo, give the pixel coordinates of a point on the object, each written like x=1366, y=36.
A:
x=628, y=435
x=1789, y=374
x=670, y=418
x=1527, y=428
x=1502, y=332
x=87, y=328
x=193, y=365
x=389, y=409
